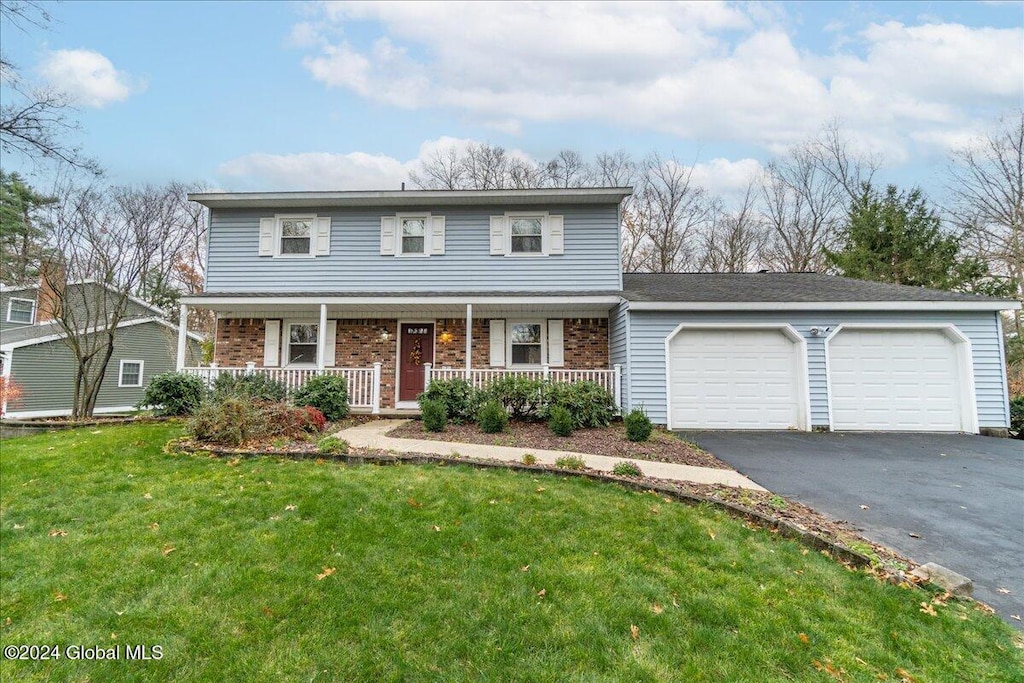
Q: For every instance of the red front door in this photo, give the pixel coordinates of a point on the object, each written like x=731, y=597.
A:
x=417, y=349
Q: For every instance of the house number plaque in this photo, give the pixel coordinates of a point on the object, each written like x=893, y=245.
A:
x=416, y=330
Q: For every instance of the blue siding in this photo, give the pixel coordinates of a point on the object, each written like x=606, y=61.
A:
x=648, y=330
x=618, y=344
x=590, y=261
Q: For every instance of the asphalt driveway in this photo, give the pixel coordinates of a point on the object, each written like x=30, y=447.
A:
x=961, y=496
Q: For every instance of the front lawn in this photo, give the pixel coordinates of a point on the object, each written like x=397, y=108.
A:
x=273, y=569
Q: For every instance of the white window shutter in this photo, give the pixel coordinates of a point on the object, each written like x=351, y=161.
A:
x=497, y=343
x=556, y=235
x=267, y=236
x=498, y=240
x=323, y=236
x=556, y=343
x=436, y=235
x=331, y=338
x=387, y=235
x=272, y=344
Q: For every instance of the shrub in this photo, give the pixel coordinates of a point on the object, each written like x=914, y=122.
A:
x=492, y=417
x=638, y=425
x=10, y=392
x=521, y=396
x=435, y=416
x=327, y=393
x=174, y=393
x=257, y=386
x=235, y=420
x=561, y=421
x=590, y=404
x=292, y=422
x=571, y=462
x=458, y=396
x=627, y=468
x=1017, y=417
x=332, y=445
x=529, y=459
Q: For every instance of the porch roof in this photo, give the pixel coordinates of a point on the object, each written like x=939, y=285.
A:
x=398, y=304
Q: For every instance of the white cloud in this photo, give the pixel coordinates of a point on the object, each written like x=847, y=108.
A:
x=696, y=70
x=88, y=77
x=725, y=178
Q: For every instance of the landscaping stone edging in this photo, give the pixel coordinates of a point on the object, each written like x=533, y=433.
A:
x=785, y=528
x=10, y=429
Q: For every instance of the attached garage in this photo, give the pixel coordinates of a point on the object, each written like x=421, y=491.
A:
x=737, y=377
x=915, y=378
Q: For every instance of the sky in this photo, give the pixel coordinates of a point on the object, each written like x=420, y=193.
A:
x=267, y=96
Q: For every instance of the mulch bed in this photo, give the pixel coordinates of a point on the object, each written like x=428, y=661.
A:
x=610, y=441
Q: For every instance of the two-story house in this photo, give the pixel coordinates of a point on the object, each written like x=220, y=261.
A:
x=396, y=288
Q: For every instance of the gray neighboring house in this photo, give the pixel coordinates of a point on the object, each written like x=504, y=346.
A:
x=395, y=289
x=33, y=354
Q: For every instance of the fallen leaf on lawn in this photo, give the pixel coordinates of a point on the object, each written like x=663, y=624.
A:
x=154, y=526
x=655, y=509
x=829, y=668
x=1004, y=591
x=58, y=532
x=905, y=676
x=325, y=573
x=147, y=496
x=865, y=507
x=674, y=603
x=541, y=489
x=291, y=507
x=59, y=597
x=8, y=622
x=804, y=551
x=96, y=432
x=233, y=461
x=634, y=631
x=913, y=535
x=274, y=518
x=542, y=592
x=19, y=526
x=437, y=528
x=493, y=502
x=525, y=568
x=803, y=638
x=413, y=503
x=657, y=609
x=927, y=608
x=168, y=549
x=113, y=636
x=711, y=534
x=118, y=613
x=266, y=610
x=1015, y=616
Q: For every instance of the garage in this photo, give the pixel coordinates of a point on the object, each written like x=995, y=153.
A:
x=737, y=377
x=901, y=379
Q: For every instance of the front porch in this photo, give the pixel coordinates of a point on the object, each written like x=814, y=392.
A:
x=390, y=358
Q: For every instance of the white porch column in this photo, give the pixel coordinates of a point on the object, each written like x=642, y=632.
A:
x=617, y=385
x=321, y=341
x=182, y=336
x=469, y=339
x=376, y=388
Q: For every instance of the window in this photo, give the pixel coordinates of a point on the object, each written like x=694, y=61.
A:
x=131, y=374
x=526, y=341
x=21, y=311
x=296, y=236
x=527, y=235
x=302, y=339
x=414, y=231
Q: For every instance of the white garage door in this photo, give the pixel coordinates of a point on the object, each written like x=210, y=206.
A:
x=736, y=379
x=895, y=380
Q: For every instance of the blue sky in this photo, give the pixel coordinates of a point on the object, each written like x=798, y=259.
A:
x=274, y=96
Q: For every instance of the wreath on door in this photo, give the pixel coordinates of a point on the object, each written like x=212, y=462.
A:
x=416, y=355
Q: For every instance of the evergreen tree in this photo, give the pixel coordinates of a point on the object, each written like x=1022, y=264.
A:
x=896, y=237
x=22, y=232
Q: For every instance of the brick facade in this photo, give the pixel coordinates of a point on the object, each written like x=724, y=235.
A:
x=359, y=344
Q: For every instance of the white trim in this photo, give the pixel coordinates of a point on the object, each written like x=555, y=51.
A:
x=544, y=238
x=803, y=379
x=543, y=324
x=1002, y=365
x=28, y=414
x=286, y=339
x=965, y=365
x=398, y=353
x=120, y=373
x=278, y=218
x=562, y=300
x=428, y=230
x=92, y=330
x=32, y=312
x=824, y=305
x=8, y=357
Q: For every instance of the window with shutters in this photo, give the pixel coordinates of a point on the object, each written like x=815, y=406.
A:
x=414, y=235
x=295, y=236
x=526, y=234
x=526, y=343
x=302, y=341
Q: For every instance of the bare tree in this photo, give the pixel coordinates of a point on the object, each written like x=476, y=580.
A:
x=568, y=169
x=835, y=156
x=117, y=238
x=34, y=121
x=987, y=186
x=443, y=170
x=736, y=238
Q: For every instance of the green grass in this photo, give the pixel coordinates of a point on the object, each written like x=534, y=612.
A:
x=440, y=573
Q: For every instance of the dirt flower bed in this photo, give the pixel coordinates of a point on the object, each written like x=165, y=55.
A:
x=610, y=441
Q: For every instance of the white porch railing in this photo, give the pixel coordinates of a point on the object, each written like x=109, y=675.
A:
x=363, y=383
x=610, y=379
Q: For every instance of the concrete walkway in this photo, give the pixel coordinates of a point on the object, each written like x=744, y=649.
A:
x=374, y=435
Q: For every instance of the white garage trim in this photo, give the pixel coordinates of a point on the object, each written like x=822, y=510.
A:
x=786, y=329
x=965, y=364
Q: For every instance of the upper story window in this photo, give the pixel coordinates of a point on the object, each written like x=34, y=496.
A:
x=295, y=236
x=527, y=236
x=21, y=311
x=414, y=234
x=522, y=234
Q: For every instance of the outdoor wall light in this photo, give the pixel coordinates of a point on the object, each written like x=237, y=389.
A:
x=385, y=335
x=818, y=331
x=445, y=337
